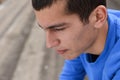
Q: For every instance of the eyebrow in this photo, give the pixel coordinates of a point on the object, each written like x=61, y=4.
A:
x=52, y=26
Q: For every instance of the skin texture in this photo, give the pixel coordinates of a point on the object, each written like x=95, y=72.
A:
x=68, y=35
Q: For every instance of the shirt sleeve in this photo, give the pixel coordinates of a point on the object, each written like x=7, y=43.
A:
x=72, y=70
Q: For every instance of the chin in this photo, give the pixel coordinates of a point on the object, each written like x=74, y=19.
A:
x=70, y=57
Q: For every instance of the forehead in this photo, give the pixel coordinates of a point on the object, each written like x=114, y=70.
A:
x=52, y=13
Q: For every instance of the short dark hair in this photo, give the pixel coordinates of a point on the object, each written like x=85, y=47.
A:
x=81, y=7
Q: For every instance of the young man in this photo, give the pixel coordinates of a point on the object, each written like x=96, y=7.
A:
x=85, y=33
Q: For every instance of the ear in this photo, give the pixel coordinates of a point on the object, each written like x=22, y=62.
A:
x=100, y=16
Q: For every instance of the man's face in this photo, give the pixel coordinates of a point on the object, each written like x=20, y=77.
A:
x=66, y=33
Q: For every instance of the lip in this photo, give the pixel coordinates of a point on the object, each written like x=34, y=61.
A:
x=61, y=51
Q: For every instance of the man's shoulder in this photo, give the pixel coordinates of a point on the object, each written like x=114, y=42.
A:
x=114, y=12
x=114, y=17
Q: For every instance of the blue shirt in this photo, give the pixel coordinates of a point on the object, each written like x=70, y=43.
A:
x=103, y=67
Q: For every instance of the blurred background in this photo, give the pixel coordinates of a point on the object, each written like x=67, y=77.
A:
x=23, y=55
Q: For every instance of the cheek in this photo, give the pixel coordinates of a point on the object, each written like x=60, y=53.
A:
x=71, y=37
x=82, y=39
x=73, y=40
x=68, y=40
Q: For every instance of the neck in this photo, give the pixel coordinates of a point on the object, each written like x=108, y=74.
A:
x=100, y=41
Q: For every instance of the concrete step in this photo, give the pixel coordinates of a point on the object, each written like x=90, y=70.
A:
x=10, y=14
x=32, y=56
x=36, y=61
x=12, y=43
x=52, y=65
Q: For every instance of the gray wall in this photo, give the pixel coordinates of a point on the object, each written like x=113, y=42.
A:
x=113, y=4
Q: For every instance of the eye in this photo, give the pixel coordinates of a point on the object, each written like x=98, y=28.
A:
x=59, y=29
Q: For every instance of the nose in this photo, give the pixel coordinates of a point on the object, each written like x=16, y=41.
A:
x=51, y=40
